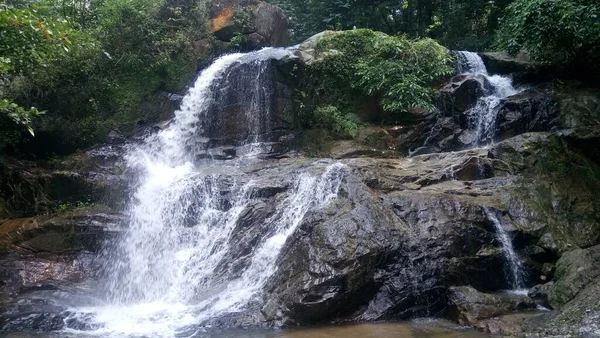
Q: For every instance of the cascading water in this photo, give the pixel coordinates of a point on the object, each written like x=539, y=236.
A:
x=169, y=272
x=485, y=111
x=514, y=265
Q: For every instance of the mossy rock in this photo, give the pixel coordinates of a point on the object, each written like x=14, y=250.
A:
x=574, y=271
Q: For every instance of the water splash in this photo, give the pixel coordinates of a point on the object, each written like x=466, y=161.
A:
x=469, y=62
x=166, y=275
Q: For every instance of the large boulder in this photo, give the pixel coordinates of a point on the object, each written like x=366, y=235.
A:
x=555, y=199
x=529, y=111
x=401, y=233
x=462, y=92
x=307, y=51
x=473, y=308
x=258, y=23
x=576, y=294
x=574, y=271
x=502, y=63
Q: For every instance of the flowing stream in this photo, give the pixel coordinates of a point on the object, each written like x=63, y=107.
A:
x=514, y=265
x=483, y=120
x=497, y=87
x=171, y=270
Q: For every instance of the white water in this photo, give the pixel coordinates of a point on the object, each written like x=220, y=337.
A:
x=485, y=112
x=166, y=276
x=513, y=262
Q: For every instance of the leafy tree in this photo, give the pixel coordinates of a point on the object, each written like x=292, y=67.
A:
x=31, y=43
x=95, y=65
x=455, y=23
x=553, y=31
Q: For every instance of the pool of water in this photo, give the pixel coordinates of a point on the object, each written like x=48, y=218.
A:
x=425, y=328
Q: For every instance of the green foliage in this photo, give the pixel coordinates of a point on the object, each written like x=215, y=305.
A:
x=96, y=65
x=458, y=24
x=553, y=31
x=30, y=39
x=362, y=67
x=18, y=114
x=402, y=72
x=242, y=18
x=370, y=75
x=330, y=118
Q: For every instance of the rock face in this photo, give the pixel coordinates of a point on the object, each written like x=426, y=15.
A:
x=542, y=108
x=405, y=232
x=574, y=295
x=462, y=93
x=259, y=24
x=268, y=115
x=406, y=237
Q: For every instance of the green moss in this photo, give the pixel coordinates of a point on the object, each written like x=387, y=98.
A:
x=561, y=190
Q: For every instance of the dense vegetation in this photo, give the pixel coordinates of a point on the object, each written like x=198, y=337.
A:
x=72, y=70
x=553, y=31
x=457, y=24
x=91, y=66
x=367, y=70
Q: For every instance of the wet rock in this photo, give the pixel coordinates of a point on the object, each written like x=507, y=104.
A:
x=235, y=120
x=580, y=317
x=551, y=192
x=31, y=272
x=574, y=271
x=507, y=325
x=462, y=92
x=115, y=138
x=472, y=307
x=529, y=111
x=374, y=258
x=71, y=232
x=539, y=294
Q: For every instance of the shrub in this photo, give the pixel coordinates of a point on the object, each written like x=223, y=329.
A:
x=362, y=66
x=330, y=118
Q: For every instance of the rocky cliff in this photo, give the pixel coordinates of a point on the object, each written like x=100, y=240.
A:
x=408, y=236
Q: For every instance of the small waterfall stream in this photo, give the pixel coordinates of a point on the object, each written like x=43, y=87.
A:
x=166, y=274
x=484, y=113
x=483, y=121
x=514, y=265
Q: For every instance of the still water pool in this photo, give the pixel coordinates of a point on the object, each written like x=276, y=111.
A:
x=425, y=328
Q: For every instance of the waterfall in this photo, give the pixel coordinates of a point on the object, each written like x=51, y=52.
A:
x=484, y=113
x=514, y=265
x=166, y=273
x=469, y=62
